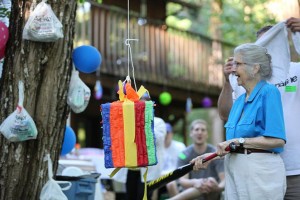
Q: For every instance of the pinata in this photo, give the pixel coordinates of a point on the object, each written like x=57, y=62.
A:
x=128, y=130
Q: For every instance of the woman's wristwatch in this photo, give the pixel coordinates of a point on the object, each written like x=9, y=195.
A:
x=241, y=142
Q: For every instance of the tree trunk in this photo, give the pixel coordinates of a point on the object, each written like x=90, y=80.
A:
x=45, y=69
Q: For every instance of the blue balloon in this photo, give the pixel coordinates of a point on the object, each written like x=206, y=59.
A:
x=86, y=58
x=69, y=141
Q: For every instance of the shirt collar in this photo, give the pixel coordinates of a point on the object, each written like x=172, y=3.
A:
x=256, y=89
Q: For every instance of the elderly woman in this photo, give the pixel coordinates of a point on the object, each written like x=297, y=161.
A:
x=255, y=124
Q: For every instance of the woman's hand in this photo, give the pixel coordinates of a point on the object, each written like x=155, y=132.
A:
x=221, y=147
x=199, y=162
x=228, y=67
x=209, y=185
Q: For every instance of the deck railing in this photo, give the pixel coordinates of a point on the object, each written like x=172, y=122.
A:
x=162, y=55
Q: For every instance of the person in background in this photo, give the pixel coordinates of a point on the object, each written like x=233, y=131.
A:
x=172, y=150
x=290, y=95
x=206, y=184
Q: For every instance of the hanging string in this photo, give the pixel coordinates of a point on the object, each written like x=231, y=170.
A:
x=129, y=56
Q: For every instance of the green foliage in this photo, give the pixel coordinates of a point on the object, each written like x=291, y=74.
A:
x=173, y=8
x=242, y=19
x=239, y=19
x=4, y=12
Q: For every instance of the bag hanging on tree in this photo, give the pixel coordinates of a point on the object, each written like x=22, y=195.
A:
x=128, y=130
x=79, y=94
x=43, y=25
x=19, y=126
x=51, y=190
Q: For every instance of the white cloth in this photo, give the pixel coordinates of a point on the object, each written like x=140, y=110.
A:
x=254, y=176
x=296, y=41
x=171, y=156
x=290, y=95
x=153, y=171
x=276, y=41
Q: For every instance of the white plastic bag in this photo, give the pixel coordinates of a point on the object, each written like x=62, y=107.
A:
x=51, y=190
x=19, y=126
x=43, y=25
x=79, y=94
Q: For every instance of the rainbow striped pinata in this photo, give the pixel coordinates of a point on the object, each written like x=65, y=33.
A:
x=128, y=130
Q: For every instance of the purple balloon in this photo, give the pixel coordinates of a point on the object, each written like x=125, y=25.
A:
x=206, y=102
x=98, y=90
x=98, y=95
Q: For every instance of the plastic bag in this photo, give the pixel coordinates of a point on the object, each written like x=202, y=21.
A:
x=19, y=126
x=43, y=25
x=79, y=94
x=52, y=190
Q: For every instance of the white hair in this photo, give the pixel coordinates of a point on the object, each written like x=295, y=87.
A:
x=255, y=54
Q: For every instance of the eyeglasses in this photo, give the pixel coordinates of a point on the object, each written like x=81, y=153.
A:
x=237, y=64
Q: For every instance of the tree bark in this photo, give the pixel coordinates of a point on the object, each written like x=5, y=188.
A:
x=45, y=69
